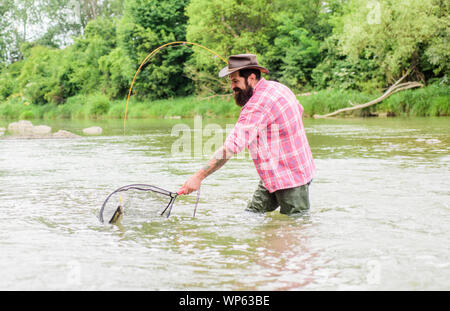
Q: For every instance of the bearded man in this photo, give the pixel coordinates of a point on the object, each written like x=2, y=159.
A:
x=270, y=125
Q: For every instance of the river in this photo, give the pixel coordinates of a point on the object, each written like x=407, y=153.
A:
x=379, y=215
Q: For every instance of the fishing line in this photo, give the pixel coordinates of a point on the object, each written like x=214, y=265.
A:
x=112, y=207
x=153, y=53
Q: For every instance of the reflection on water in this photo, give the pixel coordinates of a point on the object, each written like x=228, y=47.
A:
x=379, y=216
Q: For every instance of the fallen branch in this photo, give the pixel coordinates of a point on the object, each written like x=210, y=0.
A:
x=396, y=87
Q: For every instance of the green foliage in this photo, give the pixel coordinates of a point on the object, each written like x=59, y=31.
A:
x=439, y=106
x=27, y=115
x=227, y=27
x=117, y=109
x=73, y=108
x=294, y=50
x=301, y=54
x=7, y=32
x=6, y=85
x=336, y=71
x=17, y=108
x=92, y=106
x=327, y=101
x=40, y=75
x=116, y=69
x=11, y=109
x=283, y=34
x=350, y=50
x=427, y=101
x=147, y=25
x=399, y=34
x=432, y=100
x=83, y=73
x=185, y=107
x=97, y=105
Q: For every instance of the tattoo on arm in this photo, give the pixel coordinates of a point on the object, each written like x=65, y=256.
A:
x=218, y=160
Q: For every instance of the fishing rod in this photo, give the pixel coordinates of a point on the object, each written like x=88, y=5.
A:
x=153, y=53
x=145, y=187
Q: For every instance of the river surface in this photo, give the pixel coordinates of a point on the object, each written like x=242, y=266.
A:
x=379, y=217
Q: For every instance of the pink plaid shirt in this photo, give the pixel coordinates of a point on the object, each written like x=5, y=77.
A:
x=270, y=126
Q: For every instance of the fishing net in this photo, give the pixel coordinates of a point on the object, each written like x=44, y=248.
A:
x=138, y=201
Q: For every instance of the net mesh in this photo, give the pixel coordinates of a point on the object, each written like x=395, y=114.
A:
x=138, y=201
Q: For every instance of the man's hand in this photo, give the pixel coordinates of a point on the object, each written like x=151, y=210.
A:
x=192, y=184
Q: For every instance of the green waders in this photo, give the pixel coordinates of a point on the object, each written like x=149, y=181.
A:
x=291, y=201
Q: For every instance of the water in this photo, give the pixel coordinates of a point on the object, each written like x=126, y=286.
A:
x=379, y=217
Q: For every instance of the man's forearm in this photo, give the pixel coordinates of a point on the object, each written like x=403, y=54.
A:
x=219, y=159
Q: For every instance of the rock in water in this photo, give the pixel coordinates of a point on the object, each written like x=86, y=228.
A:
x=64, y=134
x=22, y=128
x=25, y=130
x=41, y=130
x=94, y=130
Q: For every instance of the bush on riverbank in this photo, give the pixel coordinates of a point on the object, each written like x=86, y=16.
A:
x=428, y=101
x=432, y=100
x=327, y=101
x=184, y=107
x=98, y=106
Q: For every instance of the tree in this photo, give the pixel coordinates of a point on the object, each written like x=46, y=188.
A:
x=400, y=35
x=88, y=10
x=294, y=52
x=6, y=32
x=284, y=34
x=117, y=70
x=66, y=19
x=148, y=24
x=16, y=16
x=40, y=75
x=227, y=27
x=83, y=69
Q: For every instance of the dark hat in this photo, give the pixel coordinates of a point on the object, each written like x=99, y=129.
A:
x=241, y=61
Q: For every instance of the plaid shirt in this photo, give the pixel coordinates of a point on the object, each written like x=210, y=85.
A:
x=270, y=126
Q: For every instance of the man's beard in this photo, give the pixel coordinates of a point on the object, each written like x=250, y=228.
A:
x=241, y=97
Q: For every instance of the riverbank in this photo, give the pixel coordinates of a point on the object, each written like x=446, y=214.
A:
x=432, y=100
